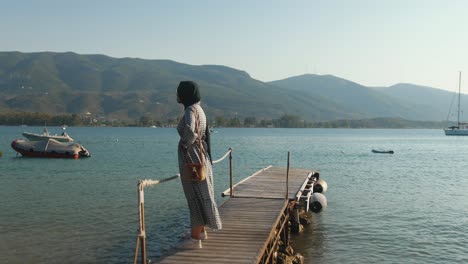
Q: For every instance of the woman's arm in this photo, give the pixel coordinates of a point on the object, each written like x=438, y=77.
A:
x=189, y=135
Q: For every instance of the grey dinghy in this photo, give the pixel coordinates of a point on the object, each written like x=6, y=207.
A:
x=50, y=148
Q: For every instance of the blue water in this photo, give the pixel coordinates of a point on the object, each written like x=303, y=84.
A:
x=410, y=207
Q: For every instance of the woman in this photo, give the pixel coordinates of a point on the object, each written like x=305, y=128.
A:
x=199, y=195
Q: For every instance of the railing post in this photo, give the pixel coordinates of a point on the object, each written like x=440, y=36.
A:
x=141, y=230
x=230, y=173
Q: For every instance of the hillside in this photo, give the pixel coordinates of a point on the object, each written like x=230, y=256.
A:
x=369, y=102
x=129, y=88
x=439, y=103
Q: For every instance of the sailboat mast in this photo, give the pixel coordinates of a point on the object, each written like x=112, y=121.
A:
x=459, y=91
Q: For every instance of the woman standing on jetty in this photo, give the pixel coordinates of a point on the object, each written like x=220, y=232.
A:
x=199, y=194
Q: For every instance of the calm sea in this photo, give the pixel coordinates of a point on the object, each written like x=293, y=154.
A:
x=410, y=207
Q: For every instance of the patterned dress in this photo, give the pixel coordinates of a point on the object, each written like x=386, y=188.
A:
x=199, y=195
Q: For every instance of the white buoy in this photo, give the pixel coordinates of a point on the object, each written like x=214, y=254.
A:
x=318, y=202
x=320, y=186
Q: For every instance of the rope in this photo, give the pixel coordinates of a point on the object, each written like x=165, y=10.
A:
x=145, y=183
x=222, y=158
x=450, y=108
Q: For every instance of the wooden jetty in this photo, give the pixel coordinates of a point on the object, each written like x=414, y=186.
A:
x=255, y=219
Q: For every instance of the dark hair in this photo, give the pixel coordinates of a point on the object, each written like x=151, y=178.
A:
x=188, y=93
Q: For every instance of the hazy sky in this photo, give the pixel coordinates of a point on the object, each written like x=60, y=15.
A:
x=374, y=43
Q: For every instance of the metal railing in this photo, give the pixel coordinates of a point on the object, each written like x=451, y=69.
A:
x=141, y=238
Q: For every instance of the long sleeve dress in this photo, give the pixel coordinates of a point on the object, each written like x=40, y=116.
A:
x=199, y=195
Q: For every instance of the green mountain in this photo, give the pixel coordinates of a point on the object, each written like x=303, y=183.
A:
x=60, y=83
x=364, y=101
x=129, y=88
x=439, y=104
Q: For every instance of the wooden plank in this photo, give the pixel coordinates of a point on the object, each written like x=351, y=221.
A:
x=242, y=239
x=270, y=183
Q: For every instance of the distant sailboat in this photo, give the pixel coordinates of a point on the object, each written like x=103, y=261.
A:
x=461, y=129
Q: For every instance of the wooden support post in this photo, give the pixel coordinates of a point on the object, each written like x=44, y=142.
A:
x=287, y=178
x=287, y=229
x=135, y=258
x=143, y=236
x=141, y=239
x=230, y=174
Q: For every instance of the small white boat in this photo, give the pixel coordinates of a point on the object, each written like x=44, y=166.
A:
x=64, y=137
x=50, y=148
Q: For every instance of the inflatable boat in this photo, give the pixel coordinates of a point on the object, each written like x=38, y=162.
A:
x=50, y=148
